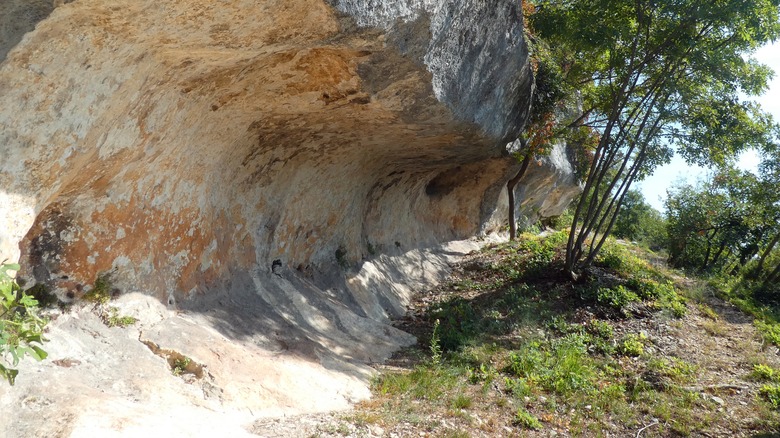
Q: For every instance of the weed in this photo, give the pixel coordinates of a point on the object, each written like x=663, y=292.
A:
x=563, y=368
x=527, y=420
x=770, y=331
x=458, y=322
x=422, y=383
x=101, y=290
x=610, y=396
x=675, y=306
x=464, y=285
x=618, y=259
x=362, y=419
x=518, y=387
x=707, y=312
x=617, y=297
x=600, y=329
x=435, y=345
x=764, y=373
x=180, y=365
x=713, y=328
x=461, y=402
x=485, y=373
x=113, y=319
x=678, y=370
x=632, y=345
x=771, y=393
x=334, y=429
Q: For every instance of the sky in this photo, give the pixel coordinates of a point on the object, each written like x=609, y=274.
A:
x=654, y=187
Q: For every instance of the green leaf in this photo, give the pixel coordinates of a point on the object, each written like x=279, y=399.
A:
x=38, y=353
x=8, y=374
x=9, y=267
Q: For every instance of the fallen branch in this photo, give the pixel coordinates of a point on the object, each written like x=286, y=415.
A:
x=654, y=423
x=712, y=387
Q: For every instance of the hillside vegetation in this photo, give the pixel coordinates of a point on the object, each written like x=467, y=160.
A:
x=510, y=347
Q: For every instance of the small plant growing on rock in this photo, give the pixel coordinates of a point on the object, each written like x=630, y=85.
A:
x=20, y=327
x=112, y=318
x=101, y=291
x=180, y=365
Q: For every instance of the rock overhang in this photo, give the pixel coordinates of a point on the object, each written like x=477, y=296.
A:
x=175, y=141
x=278, y=175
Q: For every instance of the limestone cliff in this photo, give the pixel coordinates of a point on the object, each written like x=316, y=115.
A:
x=273, y=169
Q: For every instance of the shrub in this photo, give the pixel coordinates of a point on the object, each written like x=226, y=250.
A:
x=632, y=345
x=771, y=393
x=617, y=297
x=764, y=373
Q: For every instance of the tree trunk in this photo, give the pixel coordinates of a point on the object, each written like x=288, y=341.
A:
x=716, y=258
x=766, y=252
x=510, y=187
x=773, y=276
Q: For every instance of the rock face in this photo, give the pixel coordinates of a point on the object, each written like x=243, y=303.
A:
x=277, y=170
x=548, y=186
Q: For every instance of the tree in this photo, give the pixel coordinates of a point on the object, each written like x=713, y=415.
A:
x=730, y=222
x=656, y=77
x=767, y=195
x=714, y=223
x=535, y=142
x=638, y=221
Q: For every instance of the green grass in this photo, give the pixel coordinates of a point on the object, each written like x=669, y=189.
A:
x=514, y=340
x=461, y=401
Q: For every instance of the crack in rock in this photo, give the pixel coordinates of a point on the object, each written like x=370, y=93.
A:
x=188, y=369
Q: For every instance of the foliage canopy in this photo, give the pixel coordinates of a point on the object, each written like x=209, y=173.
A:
x=654, y=78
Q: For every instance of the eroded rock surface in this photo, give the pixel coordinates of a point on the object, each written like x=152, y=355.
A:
x=277, y=170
